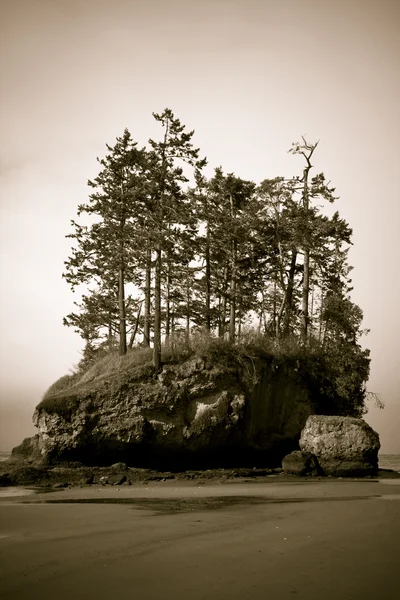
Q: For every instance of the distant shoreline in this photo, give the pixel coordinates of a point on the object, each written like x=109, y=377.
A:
x=389, y=461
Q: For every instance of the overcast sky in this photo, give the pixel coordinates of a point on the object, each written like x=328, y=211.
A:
x=251, y=77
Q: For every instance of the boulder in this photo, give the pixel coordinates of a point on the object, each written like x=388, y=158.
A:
x=117, y=479
x=28, y=450
x=119, y=466
x=301, y=463
x=343, y=446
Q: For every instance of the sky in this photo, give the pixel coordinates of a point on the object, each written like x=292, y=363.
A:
x=251, y=77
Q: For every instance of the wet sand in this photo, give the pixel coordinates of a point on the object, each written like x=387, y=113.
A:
x=327, y=539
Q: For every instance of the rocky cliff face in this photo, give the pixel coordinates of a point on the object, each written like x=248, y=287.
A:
x=190, y=415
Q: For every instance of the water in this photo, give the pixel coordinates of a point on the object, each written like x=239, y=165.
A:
x=389, y=461
x=8, y=492
x=4, y=455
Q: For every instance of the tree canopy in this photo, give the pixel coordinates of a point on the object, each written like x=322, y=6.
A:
x=162, y=259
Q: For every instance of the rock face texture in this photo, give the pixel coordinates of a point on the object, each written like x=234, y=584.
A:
x=343, y=446
x=301, y=463
x=190, y=415
x=28, y=449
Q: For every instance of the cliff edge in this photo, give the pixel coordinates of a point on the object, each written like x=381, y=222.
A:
x=197, y=413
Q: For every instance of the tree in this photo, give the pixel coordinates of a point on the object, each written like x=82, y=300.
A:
x=223, y=246
x=213, y=256
x=276, y=231
x=98, y=313
x=318, y=189
x=199, y=197
x=307, y=151
x=104, y=254
x=169, y=209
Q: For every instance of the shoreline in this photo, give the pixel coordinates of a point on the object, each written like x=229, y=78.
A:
x=183, y=484
x=15, y=474
x=27, y=474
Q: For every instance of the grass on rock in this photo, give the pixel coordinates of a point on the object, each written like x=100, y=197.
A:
x=321, y=369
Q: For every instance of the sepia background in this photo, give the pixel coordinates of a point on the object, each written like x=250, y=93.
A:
x=251, y=77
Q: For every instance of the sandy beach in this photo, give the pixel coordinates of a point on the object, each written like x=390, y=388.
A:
x=326, y=539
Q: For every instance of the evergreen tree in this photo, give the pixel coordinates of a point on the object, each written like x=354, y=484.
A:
x=169, y=207
x=214, y=256
x=317, y=190
x=104, y=254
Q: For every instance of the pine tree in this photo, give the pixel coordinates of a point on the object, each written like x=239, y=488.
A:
x=169, y=210
x=212, y=257
x=317, y=190
x=104, y=254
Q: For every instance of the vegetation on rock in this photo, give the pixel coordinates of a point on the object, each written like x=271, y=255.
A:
x=325, y=372
x=190, y=270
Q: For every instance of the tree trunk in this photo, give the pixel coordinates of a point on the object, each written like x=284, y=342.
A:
x=311, y=319
x=187, y=305
x=289, y=293
x=220, y=333
x=274, y=313
x=173, y=322
x=306, y=248
x=239, y=333
x=223, y=303
x=121, y=280
x=279, y=316
x=157, y=311
x=168, y=305
x=232, y=290
x=135, y=330
x=147, y=301
x=223, y=315
x=321, y=309
x=304, y=301
x=110, y=334
x=208, y=281
x=232, y=295
x=122, y=315
x=325, y=335
x=265, y=323
x=158, y=265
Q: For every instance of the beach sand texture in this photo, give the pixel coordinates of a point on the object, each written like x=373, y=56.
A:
x=327, y=539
